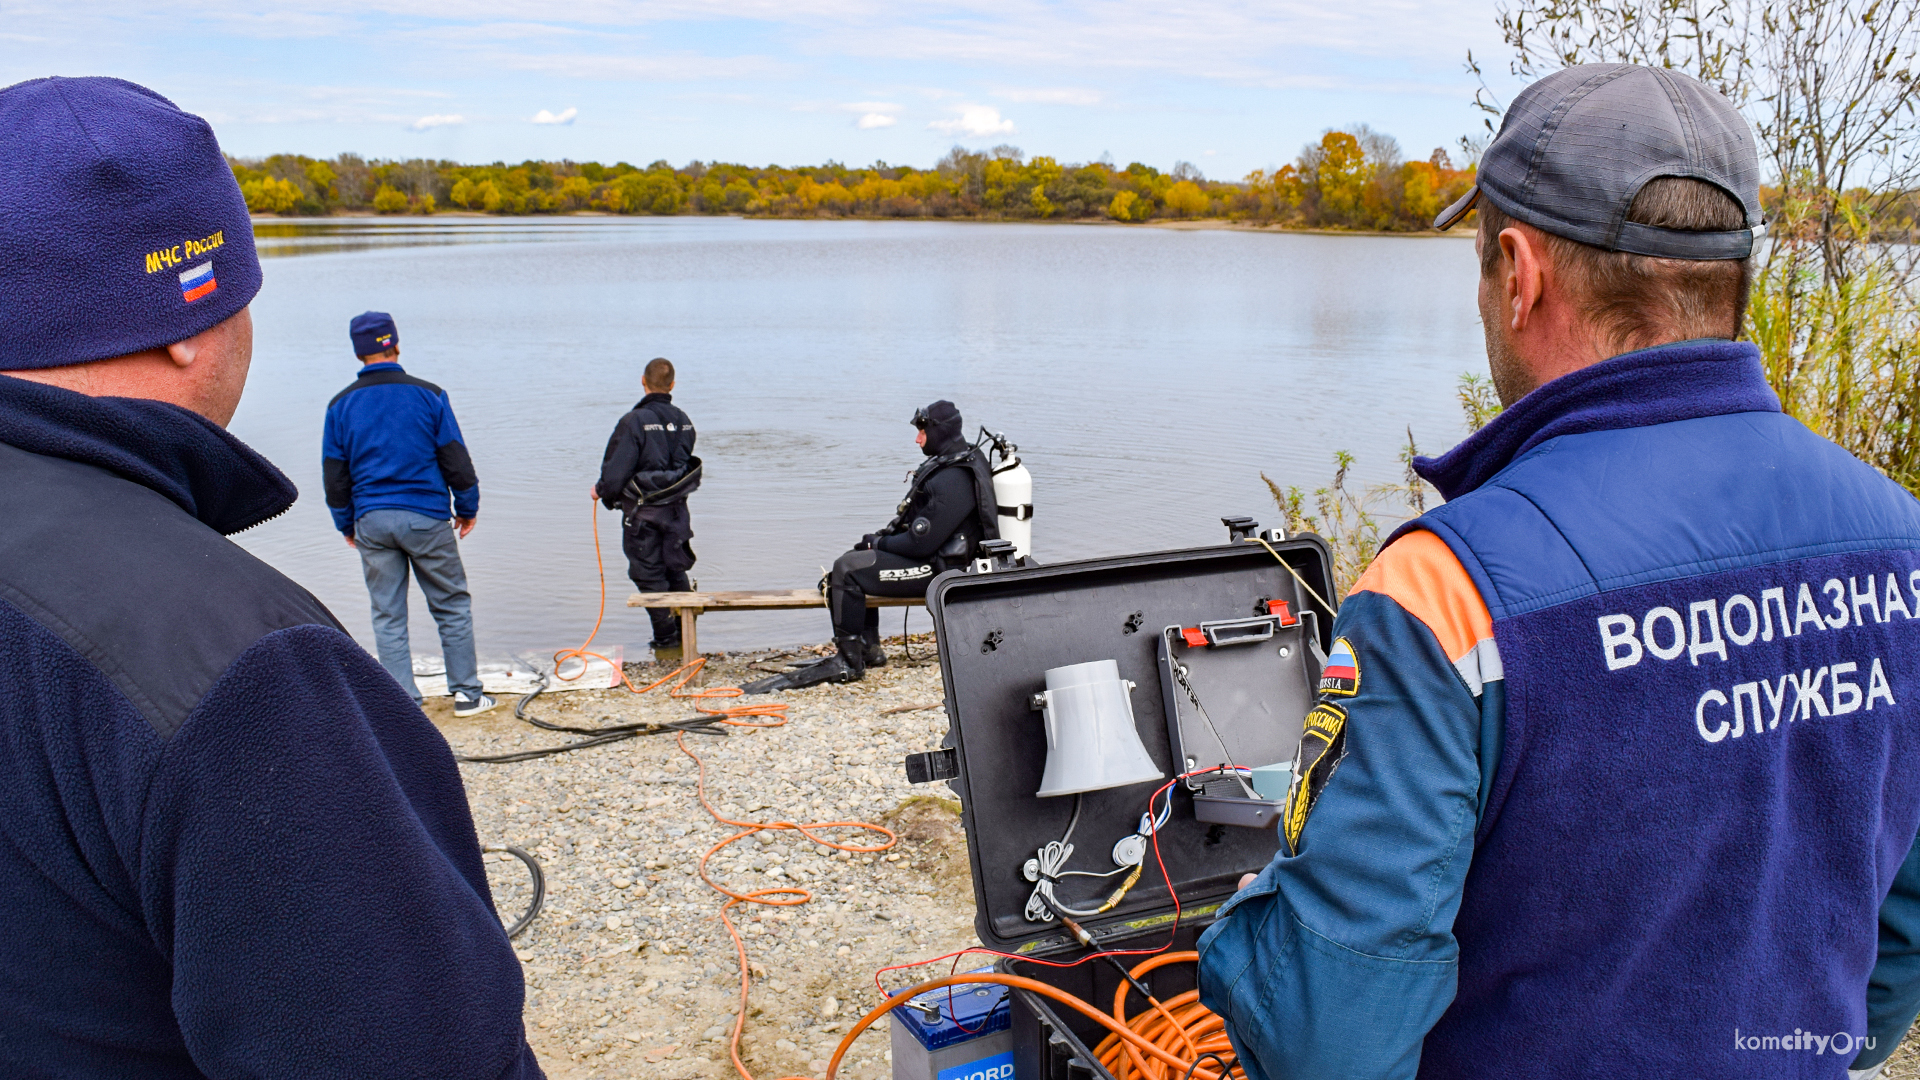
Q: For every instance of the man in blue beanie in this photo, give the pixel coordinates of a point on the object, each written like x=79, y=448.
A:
x=1615, y=770
x=229, y=844
x=391, y=454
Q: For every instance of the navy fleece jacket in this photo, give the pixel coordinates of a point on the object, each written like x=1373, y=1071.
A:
x=230, y=846
x=391, y=443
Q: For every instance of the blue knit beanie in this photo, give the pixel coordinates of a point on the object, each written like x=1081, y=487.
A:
x=123, y=226
x=372, y=332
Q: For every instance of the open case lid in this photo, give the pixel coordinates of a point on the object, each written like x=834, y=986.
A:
x=1001, y=629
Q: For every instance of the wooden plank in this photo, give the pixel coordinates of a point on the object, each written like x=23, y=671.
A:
x=758, y=600
x=765, y=599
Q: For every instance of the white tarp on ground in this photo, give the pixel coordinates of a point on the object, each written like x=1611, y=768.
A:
x=430, y=675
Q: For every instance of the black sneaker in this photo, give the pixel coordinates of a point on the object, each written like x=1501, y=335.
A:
x=876, y=656
x=466, y=706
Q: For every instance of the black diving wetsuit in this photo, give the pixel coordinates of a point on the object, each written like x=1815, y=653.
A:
x=651, y=452
x=939, y=527
x=947, y=513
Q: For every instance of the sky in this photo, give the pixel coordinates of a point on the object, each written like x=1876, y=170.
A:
x=1226, y=85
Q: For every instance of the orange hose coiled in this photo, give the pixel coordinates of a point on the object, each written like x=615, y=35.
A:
x=1126, y=1052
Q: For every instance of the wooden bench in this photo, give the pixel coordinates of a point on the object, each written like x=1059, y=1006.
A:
x=689, y=605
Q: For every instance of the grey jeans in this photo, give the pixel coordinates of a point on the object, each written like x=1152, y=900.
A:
x=391, y=542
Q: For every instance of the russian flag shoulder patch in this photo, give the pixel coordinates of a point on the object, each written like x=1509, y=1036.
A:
x=1341, y=675
x=197, y=282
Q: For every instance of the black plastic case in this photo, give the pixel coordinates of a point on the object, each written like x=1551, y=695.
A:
x=999, y=631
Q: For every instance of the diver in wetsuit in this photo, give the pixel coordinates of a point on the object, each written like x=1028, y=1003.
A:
x=947, y=513
x=647, y=473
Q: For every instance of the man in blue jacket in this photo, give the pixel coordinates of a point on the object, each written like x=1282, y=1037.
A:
x=230, y=846
x=392, y=453
x=1623, y=777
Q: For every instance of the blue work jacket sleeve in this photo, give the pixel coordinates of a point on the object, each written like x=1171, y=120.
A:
x=336, y=474
x=1893, y=989
x=456, y=465
x=1337, y=960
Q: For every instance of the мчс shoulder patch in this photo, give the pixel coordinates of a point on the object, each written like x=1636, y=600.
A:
x=1341, y=675
x=1322, y=745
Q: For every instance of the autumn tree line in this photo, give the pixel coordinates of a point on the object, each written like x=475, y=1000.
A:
x=1346, y=180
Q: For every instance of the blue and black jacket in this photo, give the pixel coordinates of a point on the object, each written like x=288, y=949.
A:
x=1626, y=775
x=230, y=845
x=391, y=442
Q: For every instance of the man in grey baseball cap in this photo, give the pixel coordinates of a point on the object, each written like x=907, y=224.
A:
x=1624, y=779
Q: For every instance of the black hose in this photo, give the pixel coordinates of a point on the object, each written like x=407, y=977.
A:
x=539, y=887
x=1226, y=1070
x=600, y=736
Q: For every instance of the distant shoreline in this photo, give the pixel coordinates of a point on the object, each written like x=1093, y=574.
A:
x=1174, y=225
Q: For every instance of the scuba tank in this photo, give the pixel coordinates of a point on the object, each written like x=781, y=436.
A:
x=1012, y=493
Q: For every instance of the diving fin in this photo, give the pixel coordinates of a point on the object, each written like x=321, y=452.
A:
x=832, y=669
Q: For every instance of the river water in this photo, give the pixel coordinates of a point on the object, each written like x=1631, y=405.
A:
x=1148, y=375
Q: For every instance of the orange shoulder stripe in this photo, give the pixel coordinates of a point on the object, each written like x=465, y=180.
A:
x=1421, y=574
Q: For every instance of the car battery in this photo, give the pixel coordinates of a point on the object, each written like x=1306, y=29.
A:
x=1216, y=657
x=958, y=1033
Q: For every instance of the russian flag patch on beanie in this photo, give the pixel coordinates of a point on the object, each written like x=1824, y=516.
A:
x=126, y=227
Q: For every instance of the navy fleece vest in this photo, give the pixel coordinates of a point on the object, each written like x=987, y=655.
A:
x=1709, y=619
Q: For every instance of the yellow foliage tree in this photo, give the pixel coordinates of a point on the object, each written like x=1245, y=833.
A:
x=835, y=197
x=270, y=195
x=1121, y=208
x=489, y=197
x=425, y=204
x=1186, y=199
x=388, y=200
x=462, y=193
x=575, y=191
x=321, y=176
x=1420, y=190
x=1342, y=175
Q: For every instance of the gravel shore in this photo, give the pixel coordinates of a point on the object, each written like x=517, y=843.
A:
x=629, y=971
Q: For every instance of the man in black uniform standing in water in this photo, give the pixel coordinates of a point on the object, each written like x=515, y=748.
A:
x=947, y=513
x=647, y=473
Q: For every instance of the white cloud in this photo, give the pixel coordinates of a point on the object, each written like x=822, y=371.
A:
x=1063, y=95
x=875, y=120
x=564, y=116
x=437, y=120
x=975, y=121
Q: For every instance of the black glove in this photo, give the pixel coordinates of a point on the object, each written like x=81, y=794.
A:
x=865, y=544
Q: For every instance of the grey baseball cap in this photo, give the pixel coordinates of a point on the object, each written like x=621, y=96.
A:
x=1577, y=146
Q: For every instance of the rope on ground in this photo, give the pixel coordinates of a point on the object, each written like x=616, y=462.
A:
x=778, y=896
